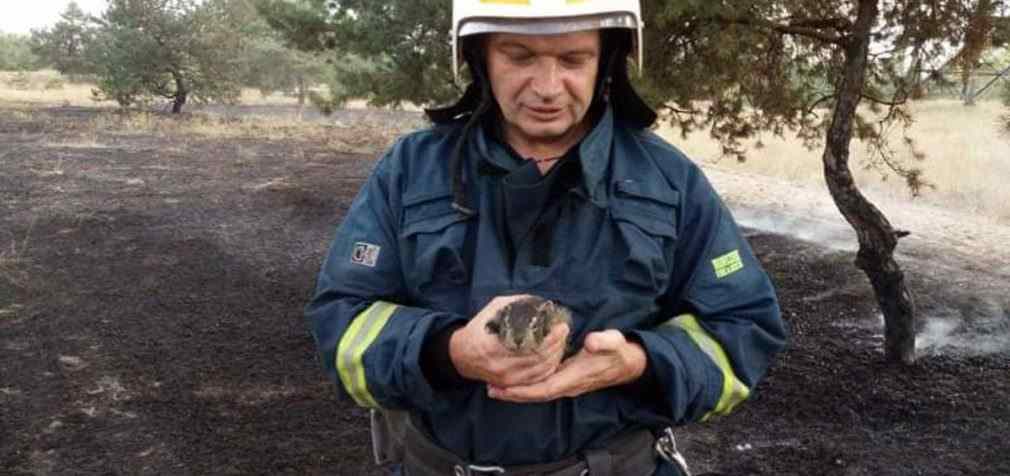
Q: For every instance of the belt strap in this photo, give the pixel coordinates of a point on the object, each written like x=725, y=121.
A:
x=629, y=455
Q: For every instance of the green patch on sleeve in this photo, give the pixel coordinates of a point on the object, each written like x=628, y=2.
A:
x=727, y=264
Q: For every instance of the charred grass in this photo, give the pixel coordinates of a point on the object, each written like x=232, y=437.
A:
x=170, y=265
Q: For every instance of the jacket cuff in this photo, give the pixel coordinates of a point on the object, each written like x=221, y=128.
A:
x=647, y=383
x=436, y=364
x=684, y=379
x=394, y=362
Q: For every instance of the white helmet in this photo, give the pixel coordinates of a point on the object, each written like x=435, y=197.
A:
x=542, y=17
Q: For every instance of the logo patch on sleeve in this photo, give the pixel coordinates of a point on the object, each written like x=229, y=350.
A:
x=727, y=264
x=365, y=254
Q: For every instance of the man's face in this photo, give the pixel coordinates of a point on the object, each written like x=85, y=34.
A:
x=543, y=83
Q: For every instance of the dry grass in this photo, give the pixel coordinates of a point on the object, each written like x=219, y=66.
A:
x=46, y=88
x=50, y=88
x=359, y=136
x=256, y=98
x=966, y=158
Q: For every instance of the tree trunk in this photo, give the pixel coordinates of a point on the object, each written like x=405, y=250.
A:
x=302, y=92
x=968, y=87
x=181, y=93
x=977, y=40
x=877, y=239
x=302, y=96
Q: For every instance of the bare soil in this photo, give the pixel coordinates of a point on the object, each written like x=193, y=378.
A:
x=151, y=290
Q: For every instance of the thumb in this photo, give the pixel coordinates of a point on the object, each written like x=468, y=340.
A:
x=606, y=341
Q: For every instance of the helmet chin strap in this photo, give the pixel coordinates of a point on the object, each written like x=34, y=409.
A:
x=605, y=79
x=483, y=104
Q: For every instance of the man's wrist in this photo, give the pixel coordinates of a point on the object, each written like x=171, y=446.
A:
x=437, y=362
x=453, y=349
x=639, y=359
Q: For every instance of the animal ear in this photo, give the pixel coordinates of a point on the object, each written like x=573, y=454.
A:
x=545, y=307
x=493, y=327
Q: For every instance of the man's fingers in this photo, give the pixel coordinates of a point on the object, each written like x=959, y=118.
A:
x=598, y=365
x=560, y=329
x=606, y=341
x=536, y=393
x=528, y=376
x=563, y=383
x=555, y=346
x=556, y=340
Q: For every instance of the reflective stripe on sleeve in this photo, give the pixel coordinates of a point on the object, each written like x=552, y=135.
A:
x=364, y=328
x=733, y=390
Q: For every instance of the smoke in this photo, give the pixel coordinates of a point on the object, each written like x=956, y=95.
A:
x=982, y=329
x=951, y=335
x=962, y=312
x=833, y=234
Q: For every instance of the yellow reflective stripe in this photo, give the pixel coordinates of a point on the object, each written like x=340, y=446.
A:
x=733, y=390
x=362, y=332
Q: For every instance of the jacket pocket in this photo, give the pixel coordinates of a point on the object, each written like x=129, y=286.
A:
x=646, y=221
x=433, y=240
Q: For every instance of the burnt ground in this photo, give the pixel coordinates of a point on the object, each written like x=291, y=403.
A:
x=151, y=290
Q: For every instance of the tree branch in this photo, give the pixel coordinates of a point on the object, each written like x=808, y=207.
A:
x=837, y=23
x=884, y=102
x=810, y=109
x=786, y=29
x=677, y=110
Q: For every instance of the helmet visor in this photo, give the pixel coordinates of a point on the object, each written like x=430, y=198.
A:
x=547, y=26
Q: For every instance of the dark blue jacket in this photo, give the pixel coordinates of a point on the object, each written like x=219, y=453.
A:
x=642, y=244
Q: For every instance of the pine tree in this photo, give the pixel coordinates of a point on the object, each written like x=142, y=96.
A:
x=828, y=72
x=65, y=44
x=16, y=53
x=173, y=49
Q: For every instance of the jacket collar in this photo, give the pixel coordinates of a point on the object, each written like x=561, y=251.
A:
x=594, y=155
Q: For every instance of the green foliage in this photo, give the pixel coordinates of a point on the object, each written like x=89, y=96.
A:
x=65, y=44
x=740, y=69
x=173, y=49
x=1001, y=31
x=16, y=53
x=180, y=49
x=270, y=64
x=176, y=50
x=389, y=52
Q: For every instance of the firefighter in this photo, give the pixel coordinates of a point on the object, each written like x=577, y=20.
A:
x=542, y=180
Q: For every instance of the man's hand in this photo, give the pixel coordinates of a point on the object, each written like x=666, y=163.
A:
x=607, y=359
x=480, y=355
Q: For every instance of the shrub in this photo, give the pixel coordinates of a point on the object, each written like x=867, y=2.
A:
x=20, y=81
x=54, y=84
